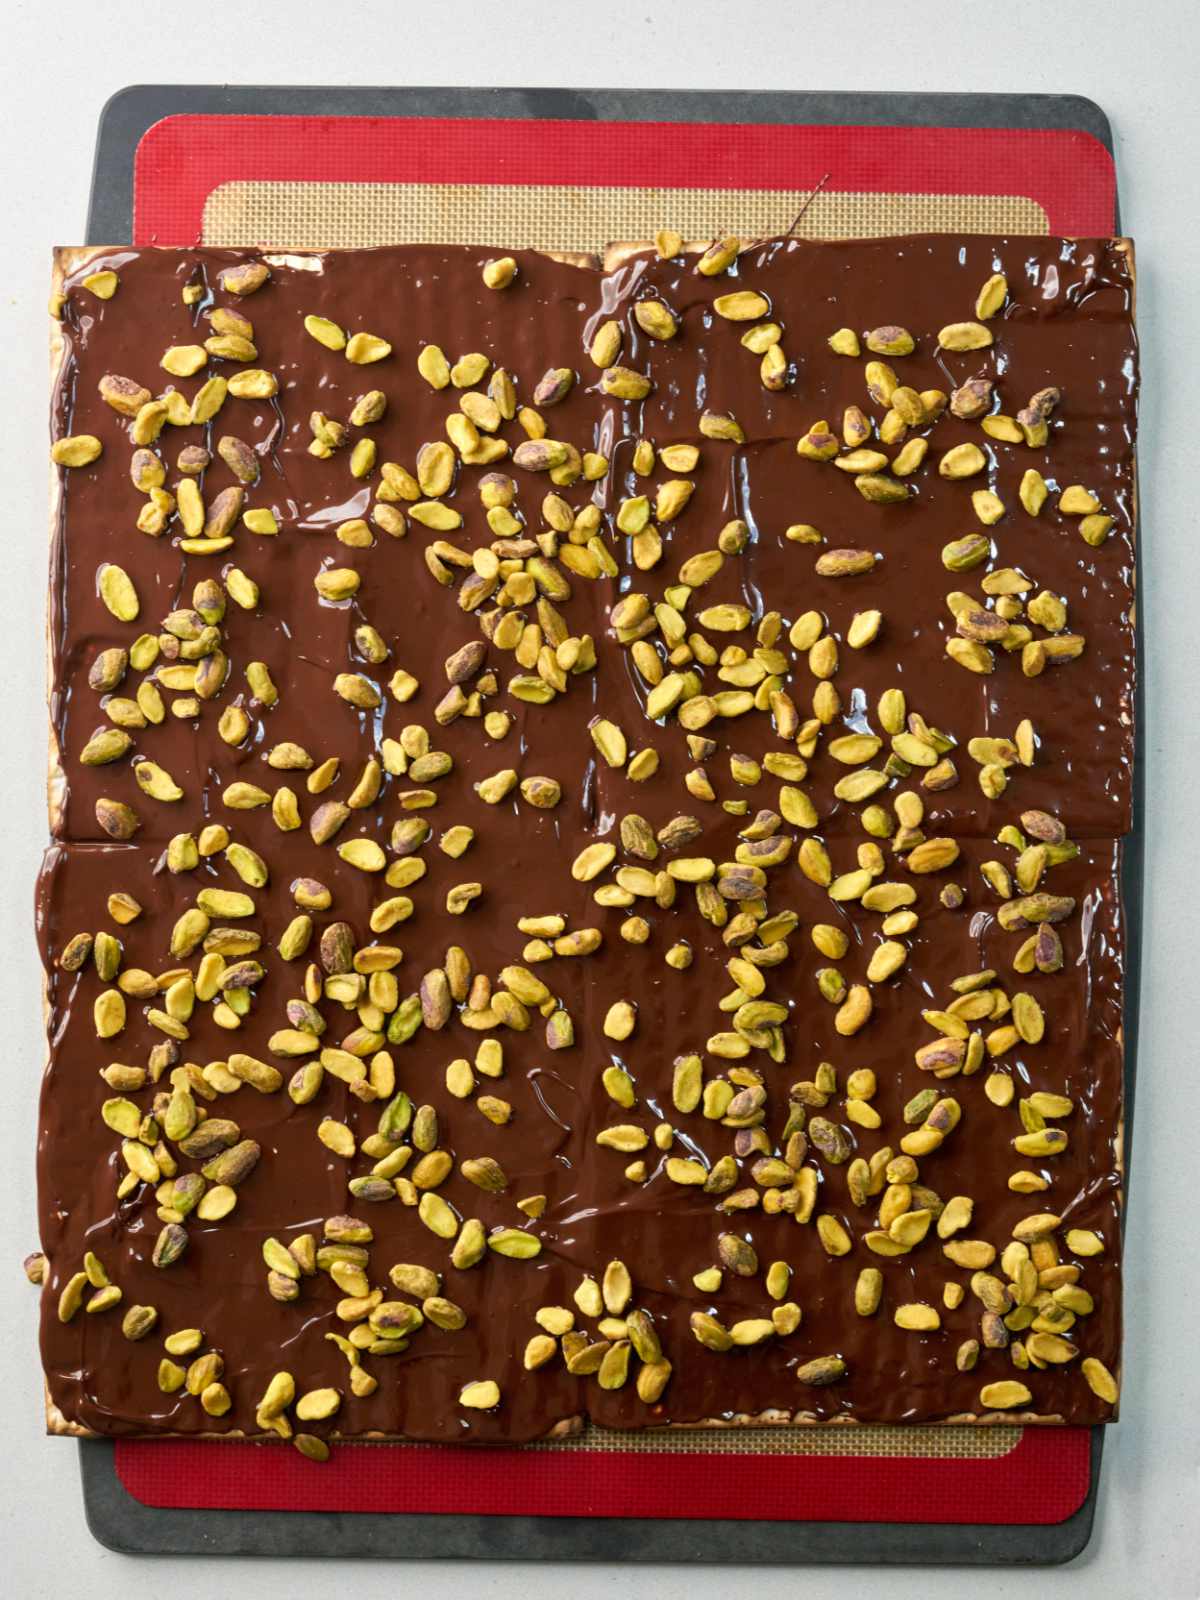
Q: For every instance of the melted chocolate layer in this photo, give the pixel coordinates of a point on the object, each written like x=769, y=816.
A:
x=1067, y=323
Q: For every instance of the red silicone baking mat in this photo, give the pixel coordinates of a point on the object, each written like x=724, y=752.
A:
x=576, y=173
x=1042, y=1478
x=292, y=181
x=318, y=181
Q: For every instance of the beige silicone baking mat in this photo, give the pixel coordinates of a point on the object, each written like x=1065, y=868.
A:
x=320, y=216
x=929, y=1443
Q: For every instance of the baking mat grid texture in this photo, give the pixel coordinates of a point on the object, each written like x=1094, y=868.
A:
x=338, y=215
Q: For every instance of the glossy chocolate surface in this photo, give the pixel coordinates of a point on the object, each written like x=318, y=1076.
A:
x=1067, y=323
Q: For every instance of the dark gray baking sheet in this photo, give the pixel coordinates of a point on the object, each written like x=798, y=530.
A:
x=123, y=1524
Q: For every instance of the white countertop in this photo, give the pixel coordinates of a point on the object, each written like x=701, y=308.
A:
x=61, y=61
